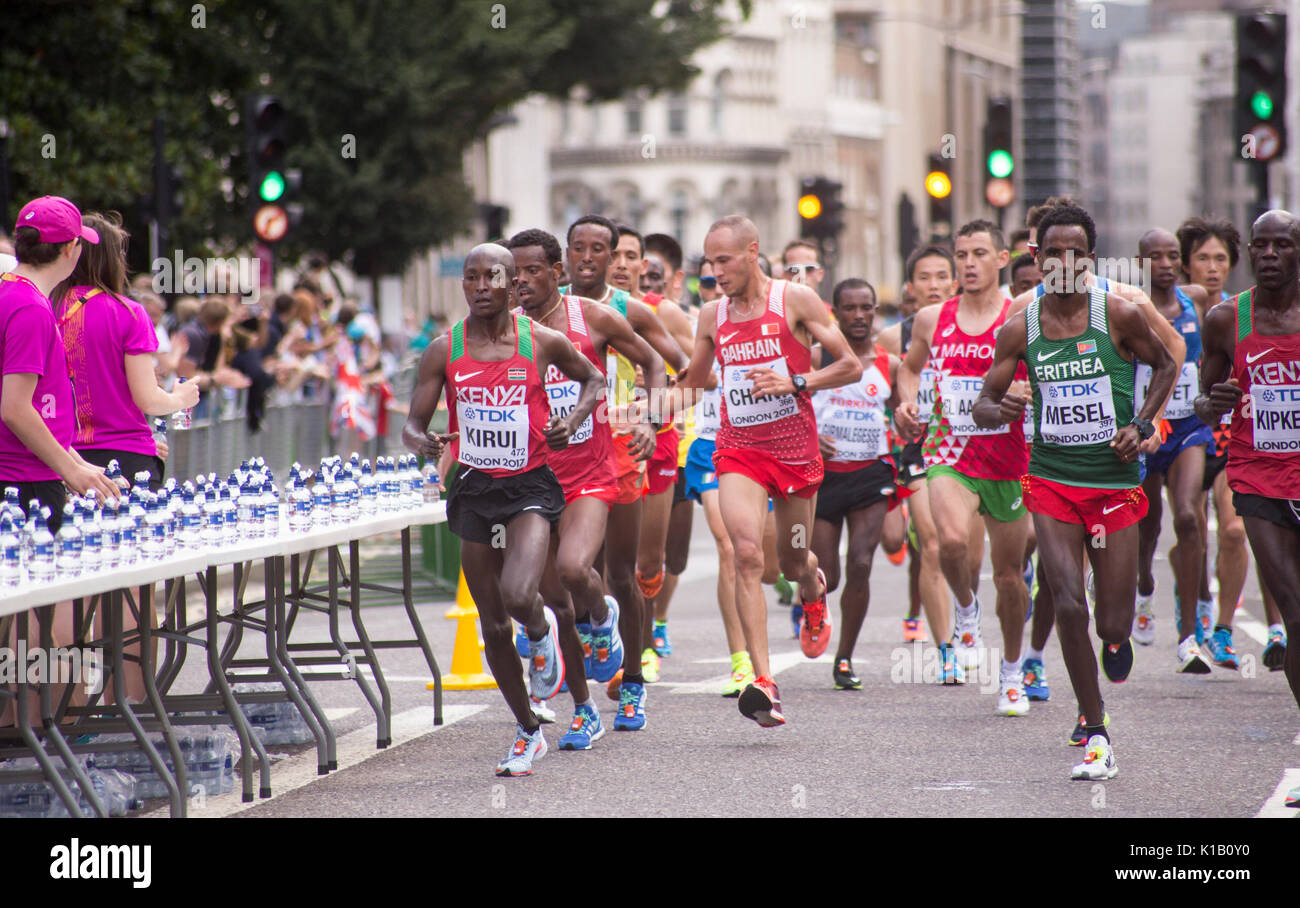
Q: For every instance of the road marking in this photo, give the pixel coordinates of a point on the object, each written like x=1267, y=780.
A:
x=334, y=713
x=1297, y=739
x=779, y=662
x=1275, y=806
x=1255, y=630
x=354, y=748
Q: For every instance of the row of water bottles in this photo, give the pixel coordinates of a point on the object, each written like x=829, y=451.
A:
x=207, y=513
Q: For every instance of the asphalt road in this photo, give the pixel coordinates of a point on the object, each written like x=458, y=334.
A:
x=1218, y=745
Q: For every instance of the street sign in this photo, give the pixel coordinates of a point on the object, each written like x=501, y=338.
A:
x=270, y=223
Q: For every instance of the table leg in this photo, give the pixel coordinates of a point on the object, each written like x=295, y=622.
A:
x=408, y=600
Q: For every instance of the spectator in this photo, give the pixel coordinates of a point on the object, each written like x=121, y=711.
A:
x=110, y=343
x=184, y=312
x=201, y=356
x=249, y=348
x=278, y=324
x=7, y=260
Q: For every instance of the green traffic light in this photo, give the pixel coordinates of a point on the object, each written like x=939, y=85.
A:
x=1261, y=104
x=1001, y=164
x=272, y=186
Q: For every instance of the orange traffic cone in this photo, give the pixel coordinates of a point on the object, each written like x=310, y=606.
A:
x=466, y=663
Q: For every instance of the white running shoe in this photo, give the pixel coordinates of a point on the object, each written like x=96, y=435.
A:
x=966, y=638
x=1098, y=761
x=1190, y=659
x=526, y=749
x=1012, y=700
x=546, y=662
x=1144, y=621
x=544, y=713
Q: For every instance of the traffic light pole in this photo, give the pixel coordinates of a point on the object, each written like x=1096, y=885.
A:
x=1260, y=174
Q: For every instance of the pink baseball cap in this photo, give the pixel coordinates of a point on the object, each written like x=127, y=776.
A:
x=56, y=220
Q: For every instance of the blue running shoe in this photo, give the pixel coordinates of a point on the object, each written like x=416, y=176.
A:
x=663, y=646
x=606, y=647
x=1035, y=680
x=521, y=641
x=584, y=637
x=585, y=730
x=796, y=618
x=1275, y=650
x=950, y=670
x=1204, y=621
x=1219, y=646
x=631, y=707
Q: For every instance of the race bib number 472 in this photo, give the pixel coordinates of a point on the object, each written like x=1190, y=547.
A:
x=493, y=437
x=1080, y=412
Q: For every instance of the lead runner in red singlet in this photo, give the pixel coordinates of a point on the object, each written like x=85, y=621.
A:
x=762, y=332
x=1252, y=369
x=504, y=500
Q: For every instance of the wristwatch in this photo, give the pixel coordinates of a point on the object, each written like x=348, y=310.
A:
x=800, y=383
x=1144, y=426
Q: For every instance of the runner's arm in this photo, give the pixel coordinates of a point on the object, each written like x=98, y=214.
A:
x=906, y=416
x=1134, y=328
x=1219, y=392
x=556, y=348
x=894, y=365
x=424, y=401
x=892, y=338
x=619, y=334
x=811, y=313
x=676, y=323
x=647, y=324
x=996, y=406
x=697, y=372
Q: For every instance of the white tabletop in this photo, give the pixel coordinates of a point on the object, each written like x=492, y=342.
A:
x=191, y=561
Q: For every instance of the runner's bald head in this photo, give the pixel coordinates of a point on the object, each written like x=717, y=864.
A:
x=1156, y=236
x=742, y=229
x=495, y=257
x=1277, y=218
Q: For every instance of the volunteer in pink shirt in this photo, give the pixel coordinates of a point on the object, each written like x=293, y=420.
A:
x=36, y=405
x=110, y=342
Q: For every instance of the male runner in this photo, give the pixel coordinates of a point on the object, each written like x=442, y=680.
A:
x=491, y=364
x=931, y=279
x=666, y=250
x=591, y=241
x=762, y=332
x=858, y=486
x=1179, y=463
x=585, y=468
x=1079, y=343
x=661, y=471
x=972, y=469
x=1252, y=369
x=1210, y=251
x=799, y=264
x=1025, y=275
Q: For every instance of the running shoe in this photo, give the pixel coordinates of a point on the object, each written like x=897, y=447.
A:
x=1079, y=734
x=546, y=663
x=663, y=646
x=742, y=675
x=1117, y=661
x=950, y=670
x=1144, y=620
x=1012, y=700
x=966, y=637
x=761, y=701
x=1275, y=650
x=784, y=590
x=898, y=557
x=1190, y=660
x=796, y=619
x=614, y=686
x=584, y=731
x=912, y=630
x=1098, y=761
x=815, y=630
x=1035, y=679
x=649, y=665
x=631, y=707
x=1219, y=647
x=526, y=749
x=585, y=637
x=1090, y=591
x=1293, y=797
x=606, y=647
x=521, y=641
x=1204, y=620
x=543, y=713
x=842, y=675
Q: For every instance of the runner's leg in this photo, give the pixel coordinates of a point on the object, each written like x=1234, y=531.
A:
x=1006, y=551
x=1231, y=561
x=1183, y=485
x=1060, y=562
x=676, y=551
x=726, y=572
x=743, y=506
x=865, y=528
x=655, y=513
x=794, y=521
x=933, y=587
x=953, y=505
x=1149, y=534
x=1277, y=552
x=621, y=542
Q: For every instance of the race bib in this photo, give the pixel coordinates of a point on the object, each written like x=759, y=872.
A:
x=1275, y=410
x=743, y=408
x=493, y=437
x=1077, y=412
x=563, y=396
x=1028, y=423
x=925, y=395
x=859, y=434
x=708, y=416
x=959, y=393
x=1186, y=387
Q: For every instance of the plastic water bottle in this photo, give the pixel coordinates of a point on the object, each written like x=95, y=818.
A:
x=155, y=540
x=367, y=491
x=213, y=519
x=11, y=551
x=13, y=506
x=113, y=473
x=403, y=484
x=129, y=553
x=351, y=494
x=29, y=532
x=322, y=501
x=255, y=527
x=92, y=534
x=41, y=566
x=229, y=515
x=432, y=494
x=68, y=546
x=190, y=532
x=141, y=480
x=271, y=496
x=300, y=501
x=138, y=513
x=112, y=537
x=160, y=430
x=234, y=482
x=182, y=419
x=394, y=496
x=244, y=509
x=171, y=501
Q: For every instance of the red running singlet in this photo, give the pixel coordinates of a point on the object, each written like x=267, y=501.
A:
x=1264, y=447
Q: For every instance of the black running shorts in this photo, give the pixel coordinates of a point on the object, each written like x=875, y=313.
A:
x=841, y=493
x=911, y=464
x=479, y=503
x=1213, y=467
x=1282, y=511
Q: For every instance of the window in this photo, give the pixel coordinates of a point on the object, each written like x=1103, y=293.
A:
x=720, y=84
x=632, y=116
x=677, y=114
x=678, y=215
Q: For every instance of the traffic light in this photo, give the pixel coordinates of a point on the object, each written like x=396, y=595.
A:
x=271, y=185
x=938, y=186
x=821, y=208
x=1259, y=110
x=999, y=154
x=494, y=220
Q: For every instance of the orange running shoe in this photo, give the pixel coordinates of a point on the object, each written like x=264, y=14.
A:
x=815, y=627
x=761, y=701
x=913, y=630
x=615, y=683
x=897, y=558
